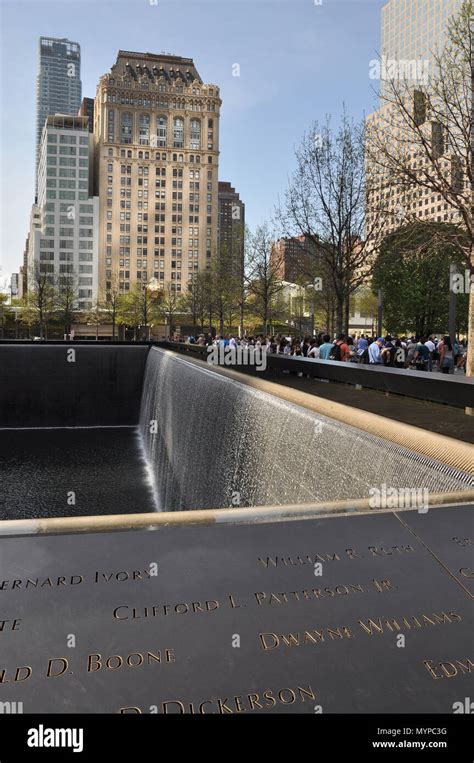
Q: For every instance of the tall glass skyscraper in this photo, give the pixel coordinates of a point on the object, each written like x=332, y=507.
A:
x=58, y=84
x=413, y=29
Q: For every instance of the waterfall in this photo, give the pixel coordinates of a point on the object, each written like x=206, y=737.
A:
x=213, y=442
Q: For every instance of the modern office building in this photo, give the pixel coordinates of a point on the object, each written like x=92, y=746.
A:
x=63, y=242
x=156, y=134
x=231, y=225
x=410, y=31
x=87, y=110
x=58, y=84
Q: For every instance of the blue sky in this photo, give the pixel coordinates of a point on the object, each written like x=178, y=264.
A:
x=298, y=62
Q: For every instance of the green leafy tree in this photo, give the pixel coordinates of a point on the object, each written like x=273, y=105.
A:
x=264, y=285
x=170, y=304
x=412, y=269
x=424, y=143
x=41, y=297
x=139, y=309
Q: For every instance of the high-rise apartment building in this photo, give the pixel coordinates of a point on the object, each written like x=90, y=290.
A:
x=231, y=225
x=293, y=260
x=411, y=30
x=58, y=83
x=156, y=133
x=63, y=243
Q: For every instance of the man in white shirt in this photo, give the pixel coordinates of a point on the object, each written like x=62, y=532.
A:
x=431, y=346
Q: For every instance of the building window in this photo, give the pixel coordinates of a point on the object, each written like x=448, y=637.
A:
x=195, y=134
x=161, y=131
x=178, y=133
x=111, y=126
x=144, y=129
x=126, y=127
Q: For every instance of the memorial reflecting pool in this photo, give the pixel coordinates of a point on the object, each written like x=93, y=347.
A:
x=205, y=441
x=73, y=472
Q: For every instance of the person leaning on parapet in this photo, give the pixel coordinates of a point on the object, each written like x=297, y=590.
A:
x=351, y=355
x=375, y=354
x=340, y=349
x=362, y=352
x=388, y=351
x=314, y=350
x=411, y=349
x=446, y=356
x=432, y=348
x=305, y=345
x=421, y=357
x=325, y=348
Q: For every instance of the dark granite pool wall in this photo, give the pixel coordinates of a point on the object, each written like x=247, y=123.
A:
x=45, y=385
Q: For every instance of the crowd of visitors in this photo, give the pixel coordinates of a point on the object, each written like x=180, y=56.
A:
x=423, y=354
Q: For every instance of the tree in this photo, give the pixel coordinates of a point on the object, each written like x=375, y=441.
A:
x=228, y=269
x=262, y=273
x=412, y=268
x=4, y=311
x=95, y=316
x=111, y=301
x=65, y=299
x=169, y=305
x=325, y=204
x=41, y=296
x=227, y=288
x=139, y=308
x=367, y=303
x=422, y=142
x=198, y=299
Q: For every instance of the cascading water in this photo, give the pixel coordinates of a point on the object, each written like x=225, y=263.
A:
x=215, y=443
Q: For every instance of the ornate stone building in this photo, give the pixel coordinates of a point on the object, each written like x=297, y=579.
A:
x=156, y=134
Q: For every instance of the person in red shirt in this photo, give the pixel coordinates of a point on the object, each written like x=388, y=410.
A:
x=343, y=353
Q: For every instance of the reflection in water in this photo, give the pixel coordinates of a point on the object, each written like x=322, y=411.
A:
x=73, y=472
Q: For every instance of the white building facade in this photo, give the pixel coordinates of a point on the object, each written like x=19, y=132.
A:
x=63, y=243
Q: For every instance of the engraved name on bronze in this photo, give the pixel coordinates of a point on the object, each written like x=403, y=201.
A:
x=371, y=627
x=95, y=662
x=449, y=669
x=61, y=581
x=241, y=703
x=268, y=562
x=328, y=592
